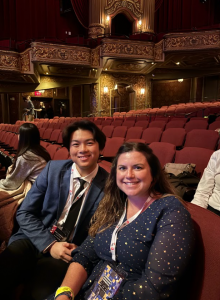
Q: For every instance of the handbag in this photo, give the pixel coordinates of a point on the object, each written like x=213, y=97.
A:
x=183, y=178
x=176, y=169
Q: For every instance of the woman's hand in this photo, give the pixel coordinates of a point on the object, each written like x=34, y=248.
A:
x=62, y=250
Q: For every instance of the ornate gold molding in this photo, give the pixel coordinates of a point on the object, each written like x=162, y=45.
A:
x=9, y=61
x=192, y=41
x=96, y=30
x=95, y=57
x=127, y=49
x=25, y=62
x=116, y=5
x=50, y=53
x=159, y=52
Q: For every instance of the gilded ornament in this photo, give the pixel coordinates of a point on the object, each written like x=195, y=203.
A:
x=25, y=62
x=114, y=6
x=63, y=54
x=9, y=61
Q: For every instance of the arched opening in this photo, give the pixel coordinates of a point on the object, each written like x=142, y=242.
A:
x=122, y=99
x=121, y=25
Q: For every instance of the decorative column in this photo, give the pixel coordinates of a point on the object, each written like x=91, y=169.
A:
x=193, y=89
x=96, y=18
x=148, y=102
x=148, y=8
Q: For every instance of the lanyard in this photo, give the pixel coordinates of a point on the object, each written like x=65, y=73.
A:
x=70, y=201
x=121, y=225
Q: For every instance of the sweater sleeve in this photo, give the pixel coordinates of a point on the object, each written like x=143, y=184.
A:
x=24, y=168
x=207, y=183
x=86, y=255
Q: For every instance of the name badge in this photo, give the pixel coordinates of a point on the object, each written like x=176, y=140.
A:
x=61, y=235
x=107, y=284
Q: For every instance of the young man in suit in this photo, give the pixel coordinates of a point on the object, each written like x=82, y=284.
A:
x=55, y=216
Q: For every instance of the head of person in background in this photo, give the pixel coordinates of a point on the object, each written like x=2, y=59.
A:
x=28, y=98
x=29, y=140
x=135, y=175
x=85, y=141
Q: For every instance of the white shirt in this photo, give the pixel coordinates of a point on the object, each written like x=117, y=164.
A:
x=76, y=184
x=208, y=190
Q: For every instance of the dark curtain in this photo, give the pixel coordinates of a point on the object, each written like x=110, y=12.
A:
x=81, y=9
x=36, y=19
x=158, y=4
x=180, y=15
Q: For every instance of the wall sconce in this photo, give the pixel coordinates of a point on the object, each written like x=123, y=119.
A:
x=105, y=89
x=180, y=80
x=142, y=91
x=107, y=21
x=116, y=87
x=140, y=25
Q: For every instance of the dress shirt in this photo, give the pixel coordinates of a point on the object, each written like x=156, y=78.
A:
x=76, y=184
x=208, y=190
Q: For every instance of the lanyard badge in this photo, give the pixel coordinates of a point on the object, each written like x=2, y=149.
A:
x=60, y=234
x=107, y=284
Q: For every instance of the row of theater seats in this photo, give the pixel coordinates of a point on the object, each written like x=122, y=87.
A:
x=177, y=137
x=197, y=109
x=202, y=138
x=163, y=123
x=170, y=132
x=166, y=153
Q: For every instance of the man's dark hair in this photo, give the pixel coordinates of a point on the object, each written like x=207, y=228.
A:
x=98, y=135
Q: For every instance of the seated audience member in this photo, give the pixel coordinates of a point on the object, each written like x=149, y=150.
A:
x=54, y=217
x=140, y=234
x=208, y=191
x=29, y=161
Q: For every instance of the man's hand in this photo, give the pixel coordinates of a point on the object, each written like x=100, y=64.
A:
x=62, y=250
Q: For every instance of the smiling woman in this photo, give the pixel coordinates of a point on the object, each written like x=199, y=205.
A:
x=141, y=239
x=134, y=177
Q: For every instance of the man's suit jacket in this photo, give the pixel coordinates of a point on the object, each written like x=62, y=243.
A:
x=45, y=202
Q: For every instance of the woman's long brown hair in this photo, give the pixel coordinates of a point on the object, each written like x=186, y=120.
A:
x=112, y=205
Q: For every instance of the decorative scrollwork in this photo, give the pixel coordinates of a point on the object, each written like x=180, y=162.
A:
x=192, y=41
x=43, y=52
x=9, y=61
x=63, y=54
x=70, y=55
x=25, y=62
x=95, y=57
x=129, y=49
x=159, y=52
x=132, y=5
